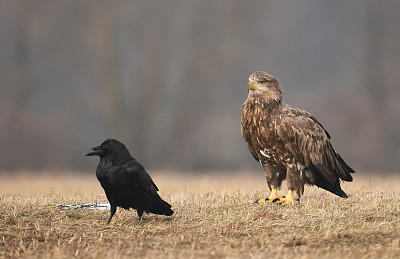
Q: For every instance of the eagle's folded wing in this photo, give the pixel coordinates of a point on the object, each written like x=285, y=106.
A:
x=310, y=144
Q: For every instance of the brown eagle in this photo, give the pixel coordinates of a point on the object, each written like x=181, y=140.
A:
x=289, y=143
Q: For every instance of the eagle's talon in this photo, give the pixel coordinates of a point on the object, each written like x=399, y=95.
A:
x=266, y=200
x=276, y=200
x=289, y=202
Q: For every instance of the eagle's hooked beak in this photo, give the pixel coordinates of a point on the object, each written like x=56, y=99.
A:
x=96, y=151
x=253, y=85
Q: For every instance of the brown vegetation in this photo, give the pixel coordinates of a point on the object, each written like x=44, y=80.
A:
x=212, y=219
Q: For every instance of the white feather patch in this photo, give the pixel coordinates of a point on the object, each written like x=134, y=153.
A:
x=264, y=154
x=300, y=166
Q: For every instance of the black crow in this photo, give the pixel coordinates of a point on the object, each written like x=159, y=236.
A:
x=126, y=182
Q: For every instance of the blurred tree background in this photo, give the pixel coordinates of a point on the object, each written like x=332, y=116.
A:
x=168, y=78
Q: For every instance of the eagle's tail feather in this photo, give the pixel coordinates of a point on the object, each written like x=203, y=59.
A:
x=343, y=169
x=335, y=163
x=339, y=192
x=317, y=175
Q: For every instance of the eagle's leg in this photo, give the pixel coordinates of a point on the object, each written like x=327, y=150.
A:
x=274, y=177
x=294, y=182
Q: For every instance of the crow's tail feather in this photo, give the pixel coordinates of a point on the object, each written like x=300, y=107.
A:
x=161, y=207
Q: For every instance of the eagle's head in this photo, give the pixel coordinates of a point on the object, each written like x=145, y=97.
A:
x=262, y=81
x=266, y=86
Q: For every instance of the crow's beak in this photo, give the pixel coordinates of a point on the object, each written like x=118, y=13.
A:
x=96, y=151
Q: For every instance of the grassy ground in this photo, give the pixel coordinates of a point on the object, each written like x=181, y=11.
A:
x=212, y=220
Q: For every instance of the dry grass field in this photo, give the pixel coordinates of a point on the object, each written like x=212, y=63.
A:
x=212, y=220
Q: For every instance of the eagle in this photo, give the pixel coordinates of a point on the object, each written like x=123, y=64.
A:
x=289, y=143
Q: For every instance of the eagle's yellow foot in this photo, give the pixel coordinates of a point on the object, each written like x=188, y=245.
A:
x=273, y=197
x=288, y=199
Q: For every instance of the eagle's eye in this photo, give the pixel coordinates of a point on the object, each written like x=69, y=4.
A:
x=262, y=81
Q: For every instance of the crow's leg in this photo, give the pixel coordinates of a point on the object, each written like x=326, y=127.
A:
x=140, y=214
x=112, y=210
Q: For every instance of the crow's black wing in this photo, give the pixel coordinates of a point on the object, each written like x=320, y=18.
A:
x=129, y=186
x=143, y=180
x=138, y=175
